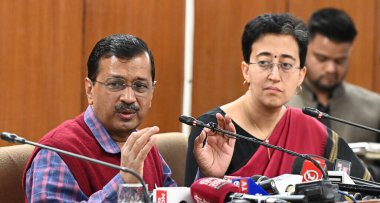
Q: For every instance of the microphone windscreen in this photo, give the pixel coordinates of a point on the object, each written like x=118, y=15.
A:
x=186, y=119
x=214, y=190
x=311, y=111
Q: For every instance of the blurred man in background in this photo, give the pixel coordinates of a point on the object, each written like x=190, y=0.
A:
x=332, y=35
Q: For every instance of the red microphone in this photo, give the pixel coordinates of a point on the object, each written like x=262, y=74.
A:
x=214, y=190
x=310, y=172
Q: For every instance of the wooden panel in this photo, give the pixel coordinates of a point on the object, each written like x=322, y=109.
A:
x=40, y=53
x=362, y=65
x=219, y=25
x=376, y=24
x=161, y=25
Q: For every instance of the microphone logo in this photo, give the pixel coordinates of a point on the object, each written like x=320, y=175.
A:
x=310, y=172
x=199, y=199
x=310, y=175
x=162, y=196
x=215, y=183
x=244, y=185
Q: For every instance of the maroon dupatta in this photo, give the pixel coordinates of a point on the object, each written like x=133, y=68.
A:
x=295, y=131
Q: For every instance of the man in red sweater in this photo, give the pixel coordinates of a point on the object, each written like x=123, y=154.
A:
x=119, y=90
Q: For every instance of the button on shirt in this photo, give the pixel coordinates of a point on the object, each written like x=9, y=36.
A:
x=49, y=178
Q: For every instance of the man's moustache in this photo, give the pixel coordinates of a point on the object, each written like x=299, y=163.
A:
x=123, y=107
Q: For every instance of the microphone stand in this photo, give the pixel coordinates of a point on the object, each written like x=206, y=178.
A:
x=318, y=114
x=214, y=127
x=9, y=137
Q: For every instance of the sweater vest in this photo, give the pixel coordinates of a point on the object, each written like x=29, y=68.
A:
x=75, y=136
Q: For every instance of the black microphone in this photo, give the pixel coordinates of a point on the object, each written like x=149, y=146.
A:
x=187, y=120
x=266, y=183
x=10, y=137
x=214, y=127
x=318, y=114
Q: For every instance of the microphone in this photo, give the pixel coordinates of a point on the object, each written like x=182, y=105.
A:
x=172, y=194
x=318, y=114
x=266, y=183
x=10, y=137
x=214, y=127
x=286, y=183
x=187, y=120
x=341, y=179
x=219, y=190
x=308, y=170
x=212, y=190
x=246, y=185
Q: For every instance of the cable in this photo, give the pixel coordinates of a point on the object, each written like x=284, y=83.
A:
x=347, y=195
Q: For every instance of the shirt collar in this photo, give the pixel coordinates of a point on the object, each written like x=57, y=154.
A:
x=100, y=133
x=337, y=92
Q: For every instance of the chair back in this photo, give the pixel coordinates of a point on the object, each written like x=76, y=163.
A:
x=12, y=163
x=173, y=148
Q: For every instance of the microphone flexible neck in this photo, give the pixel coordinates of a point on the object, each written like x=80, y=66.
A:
x=353, y=124
x=214, y=127
x=318, y=114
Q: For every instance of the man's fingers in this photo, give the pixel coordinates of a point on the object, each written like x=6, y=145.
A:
x=139, y=138
x=146, y=149
x=130, y=142
x=134, y=155
x=144, y=138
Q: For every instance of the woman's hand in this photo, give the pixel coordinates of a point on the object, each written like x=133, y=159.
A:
x=215, y=155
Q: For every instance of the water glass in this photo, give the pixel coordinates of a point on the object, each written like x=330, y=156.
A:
x=130, y=193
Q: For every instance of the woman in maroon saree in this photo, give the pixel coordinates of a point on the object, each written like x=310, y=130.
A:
x=274, y=50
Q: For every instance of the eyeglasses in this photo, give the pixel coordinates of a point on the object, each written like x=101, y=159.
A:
x=268, y=66
x=140, y=88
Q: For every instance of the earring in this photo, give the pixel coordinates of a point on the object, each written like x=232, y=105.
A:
x=299, y=90
x=245, y=83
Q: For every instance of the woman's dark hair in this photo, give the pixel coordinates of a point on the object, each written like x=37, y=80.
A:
x=275, y=24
